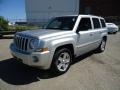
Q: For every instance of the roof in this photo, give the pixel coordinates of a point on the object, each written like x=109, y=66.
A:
x=82, y=15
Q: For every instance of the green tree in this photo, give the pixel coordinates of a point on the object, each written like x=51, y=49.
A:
x=3, y=23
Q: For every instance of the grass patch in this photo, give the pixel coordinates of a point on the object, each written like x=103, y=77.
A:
x=21, y=28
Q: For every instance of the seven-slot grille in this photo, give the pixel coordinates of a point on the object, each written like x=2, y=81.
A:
x=21, y=43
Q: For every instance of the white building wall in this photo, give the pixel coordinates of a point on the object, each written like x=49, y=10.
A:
x=42, y=10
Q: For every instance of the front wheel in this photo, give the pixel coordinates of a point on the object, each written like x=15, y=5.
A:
x=61, y=60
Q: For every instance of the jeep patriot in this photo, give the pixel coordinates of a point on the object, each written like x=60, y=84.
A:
x=63, y=38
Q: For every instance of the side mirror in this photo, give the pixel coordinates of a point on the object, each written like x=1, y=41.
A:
x=77, y=31
x=43, y=26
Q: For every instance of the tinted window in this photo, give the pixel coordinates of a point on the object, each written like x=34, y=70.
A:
x=84, y=24
x=96, y=23
x=103, y=23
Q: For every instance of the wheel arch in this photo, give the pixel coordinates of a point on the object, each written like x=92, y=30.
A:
x=105, y=38
x=68, y=46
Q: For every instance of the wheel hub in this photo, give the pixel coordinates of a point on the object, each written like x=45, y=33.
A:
x=63, y=61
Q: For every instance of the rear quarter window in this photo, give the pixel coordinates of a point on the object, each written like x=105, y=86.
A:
x=103, y=22
x=96, y=23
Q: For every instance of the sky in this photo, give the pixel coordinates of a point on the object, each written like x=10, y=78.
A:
x=12, y=9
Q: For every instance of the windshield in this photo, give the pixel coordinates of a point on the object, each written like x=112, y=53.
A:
x=62, y=23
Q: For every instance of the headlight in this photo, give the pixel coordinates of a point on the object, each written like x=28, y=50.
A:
x=34, y=43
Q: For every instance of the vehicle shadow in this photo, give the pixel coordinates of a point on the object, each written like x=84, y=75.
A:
x=82, y=57
x=16, y=73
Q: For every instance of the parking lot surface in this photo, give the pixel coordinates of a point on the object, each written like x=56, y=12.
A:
x=92, y=71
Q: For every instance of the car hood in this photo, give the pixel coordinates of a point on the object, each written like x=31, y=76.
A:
x=43, y=33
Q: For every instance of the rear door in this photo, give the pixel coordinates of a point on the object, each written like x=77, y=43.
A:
x=97, y=30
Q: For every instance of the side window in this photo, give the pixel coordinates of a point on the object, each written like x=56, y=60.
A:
x=103, y=23
x=96, y=23
x=85, y=24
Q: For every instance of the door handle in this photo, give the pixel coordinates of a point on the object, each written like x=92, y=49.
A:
x=91, y=34
x=100, y=32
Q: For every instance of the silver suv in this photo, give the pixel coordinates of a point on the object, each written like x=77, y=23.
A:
x=62, y=39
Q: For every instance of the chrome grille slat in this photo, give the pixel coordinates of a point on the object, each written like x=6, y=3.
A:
x=26, y=44
x=21, y=43
x=18, y=42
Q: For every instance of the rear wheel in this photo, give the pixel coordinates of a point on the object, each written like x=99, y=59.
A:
x=1, y=35
x=61, y=61
x=115, y=32
x=102, y=46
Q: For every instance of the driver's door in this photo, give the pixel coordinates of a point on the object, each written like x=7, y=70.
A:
x=84, y=36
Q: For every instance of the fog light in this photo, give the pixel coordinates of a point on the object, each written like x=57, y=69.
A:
x=35, y=59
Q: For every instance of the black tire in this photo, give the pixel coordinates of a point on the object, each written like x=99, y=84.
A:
x=115, y=33
x=102, y=46
x=1, y=35
x=56, y=62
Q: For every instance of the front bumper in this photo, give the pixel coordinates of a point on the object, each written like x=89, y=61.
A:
x=43, y=62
